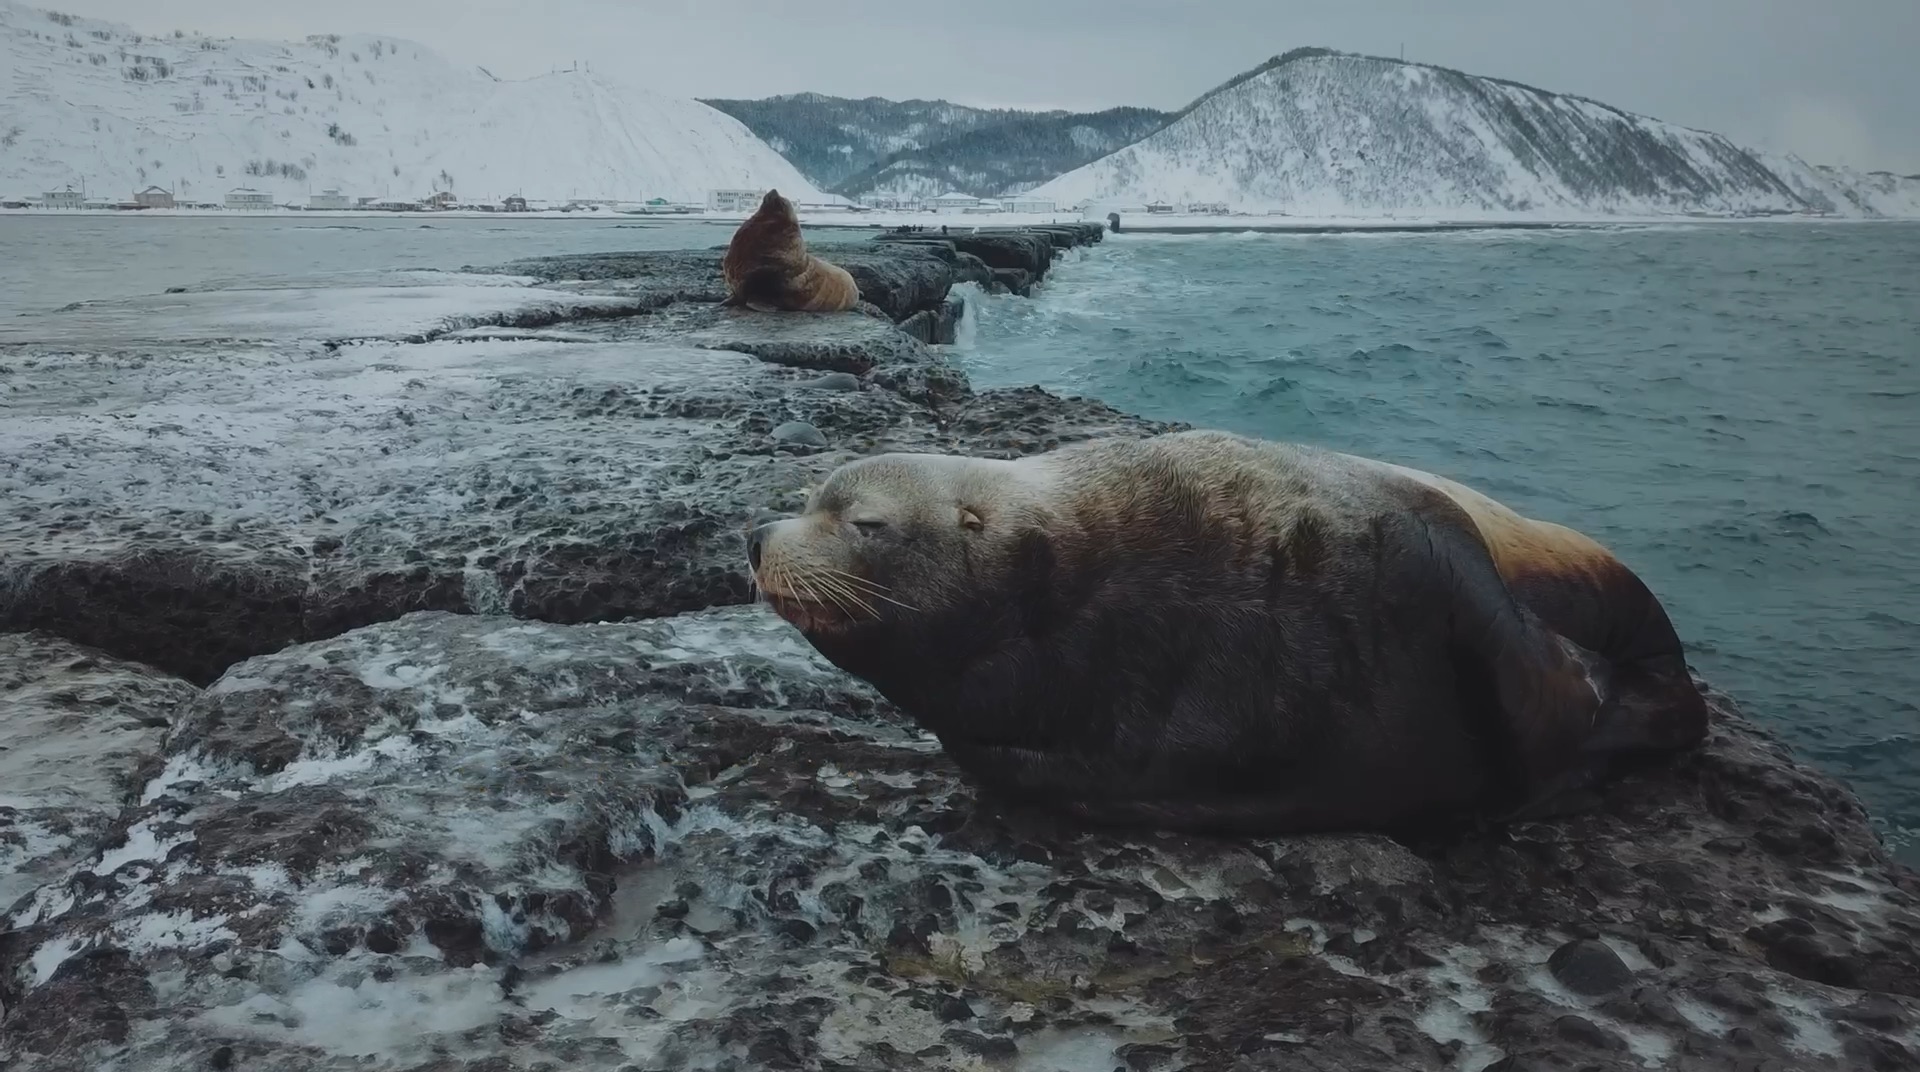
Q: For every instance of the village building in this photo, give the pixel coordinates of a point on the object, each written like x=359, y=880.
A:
x=247, y=198
x=329, y=200
x=734, y=200
x=953, y=202
x=516, y=203
x=443, y=199
x=154, y=197
x=1029, y=204
x=1158, y=208
x=985, y=204
x=67, y=197
x=887, y=203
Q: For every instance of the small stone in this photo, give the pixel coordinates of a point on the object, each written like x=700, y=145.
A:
x=1874, y=1010
x=832, y=381
x=383, y=939
x=1584, y=1032
x=1808, y=958
x=980, y=1045
x=797, y=929
x=221, y=1058
x=1879, y=1054
x=1588, y=967
x=953, y=1009
x=221, y=962
x=798, y=433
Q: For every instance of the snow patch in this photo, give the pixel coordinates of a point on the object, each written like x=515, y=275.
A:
x=363, y=1017
x=142, y=844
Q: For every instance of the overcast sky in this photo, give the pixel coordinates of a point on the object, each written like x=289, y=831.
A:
x=1837, y=81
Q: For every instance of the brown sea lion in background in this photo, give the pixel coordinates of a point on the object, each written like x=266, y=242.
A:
x=1209, y=632
x=768, y=268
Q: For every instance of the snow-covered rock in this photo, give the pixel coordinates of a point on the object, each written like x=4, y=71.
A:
x=467, y=842
x=190, y=479
x=1319, y=133
x=99, y=104
x=79, y=735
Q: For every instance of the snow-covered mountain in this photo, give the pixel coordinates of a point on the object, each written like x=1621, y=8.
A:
x=1316, y=132
x=95, y=103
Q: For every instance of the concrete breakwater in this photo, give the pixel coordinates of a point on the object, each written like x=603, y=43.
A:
x=379, y=688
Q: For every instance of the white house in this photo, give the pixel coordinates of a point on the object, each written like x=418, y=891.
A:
x=154, y=197
x=67, y=198
x=953, y=202
x=734, y=200
x=985, y=204
x=889, y=203
x=329, y=199
x=1029, y=204
x=246, y=198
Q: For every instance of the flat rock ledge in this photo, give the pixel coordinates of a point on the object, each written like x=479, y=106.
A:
x=479, y=843
x=576, y=439
x=390, y=699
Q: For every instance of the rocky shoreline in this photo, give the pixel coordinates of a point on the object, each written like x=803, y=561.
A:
x=392, y=698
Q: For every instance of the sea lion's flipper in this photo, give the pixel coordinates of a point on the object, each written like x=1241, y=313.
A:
x=1540, y=692
x=763, y=289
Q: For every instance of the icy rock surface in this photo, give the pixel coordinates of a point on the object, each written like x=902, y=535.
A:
x=473, y=842
x=191, y=479
x=79, y=735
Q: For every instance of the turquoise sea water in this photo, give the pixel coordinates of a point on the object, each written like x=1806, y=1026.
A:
x=1734, y=409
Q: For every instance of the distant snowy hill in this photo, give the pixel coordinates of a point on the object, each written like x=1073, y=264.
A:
x=920, y=148
x=831, y=139
x=91, y=102
x=1005, y=158
x=1316, y=132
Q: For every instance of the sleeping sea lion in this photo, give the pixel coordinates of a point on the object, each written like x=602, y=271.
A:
x=1205, y=631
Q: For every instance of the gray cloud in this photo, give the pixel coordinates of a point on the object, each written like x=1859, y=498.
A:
x=1836, y=82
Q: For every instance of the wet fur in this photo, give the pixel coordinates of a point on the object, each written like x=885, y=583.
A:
x=1210, y=632
x=767, y=266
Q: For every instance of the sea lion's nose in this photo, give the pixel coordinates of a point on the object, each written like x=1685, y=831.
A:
x=757, y=533
x=756, y=539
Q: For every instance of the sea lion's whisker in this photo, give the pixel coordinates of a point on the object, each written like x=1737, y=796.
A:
x=869, y=583
x=877, y=591
x=818, y=586
x=837, y=588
